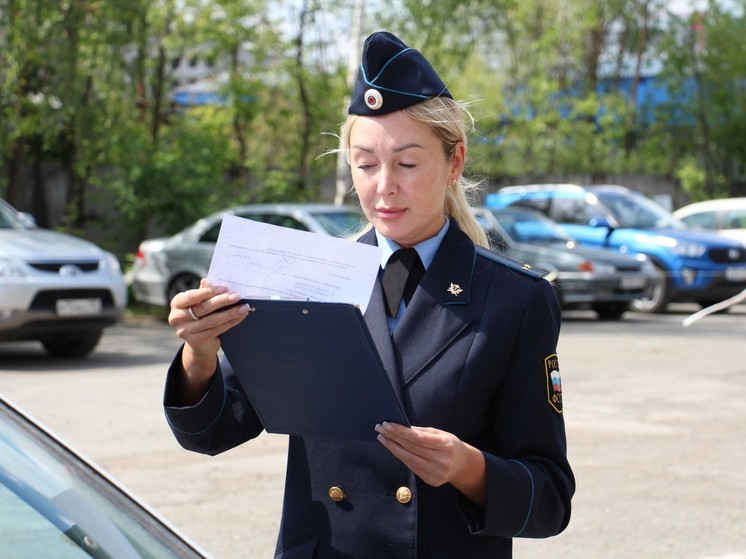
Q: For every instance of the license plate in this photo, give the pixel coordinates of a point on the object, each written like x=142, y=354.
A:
x=735, y=274
x=78, y=307
x=633, y=283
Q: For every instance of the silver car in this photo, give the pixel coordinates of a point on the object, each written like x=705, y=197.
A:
x=168, y=265
x=55, y=288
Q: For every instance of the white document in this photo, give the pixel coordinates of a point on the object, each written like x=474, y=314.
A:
x=263, y=261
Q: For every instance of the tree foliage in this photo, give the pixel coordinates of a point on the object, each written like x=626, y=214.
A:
x=706, y=73
x=86, y=88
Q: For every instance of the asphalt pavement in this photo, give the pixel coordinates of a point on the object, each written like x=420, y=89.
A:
x=655, y=418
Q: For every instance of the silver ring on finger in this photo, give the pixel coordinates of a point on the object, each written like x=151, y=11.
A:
x=191, y=313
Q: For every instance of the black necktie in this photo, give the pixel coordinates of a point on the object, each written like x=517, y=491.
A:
x=403, y=272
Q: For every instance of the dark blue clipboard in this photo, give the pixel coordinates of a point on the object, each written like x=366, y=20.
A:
x=312, y=369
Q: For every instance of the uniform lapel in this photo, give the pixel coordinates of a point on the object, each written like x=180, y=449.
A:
x=439, y=310
x=375, y=318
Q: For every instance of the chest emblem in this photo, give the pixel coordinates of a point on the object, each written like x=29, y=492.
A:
x=455, y=289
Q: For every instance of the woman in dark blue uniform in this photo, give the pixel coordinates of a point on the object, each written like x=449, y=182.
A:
x=470, y=348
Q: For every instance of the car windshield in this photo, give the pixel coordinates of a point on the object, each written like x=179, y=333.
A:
x=530, y=227
x=54, y=505
x=10, y=218
x=339, y=224
x=638, y=212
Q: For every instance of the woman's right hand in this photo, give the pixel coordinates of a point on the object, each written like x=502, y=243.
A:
x=213, y=312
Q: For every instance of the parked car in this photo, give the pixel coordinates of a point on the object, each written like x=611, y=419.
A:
x=600, y=279
x=55, y=288
x=55, y=503
x=168, y=265
x=726, y=216
x=694, y=266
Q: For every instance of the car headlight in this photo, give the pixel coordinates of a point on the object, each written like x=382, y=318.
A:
x=110, y=264
x=597, y=267
x=10, y=269
x=690, y=250
x=680, y=248
x=603, y=268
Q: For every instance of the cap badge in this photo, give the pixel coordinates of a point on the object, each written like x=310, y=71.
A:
x=455, y=289
x=373, y=99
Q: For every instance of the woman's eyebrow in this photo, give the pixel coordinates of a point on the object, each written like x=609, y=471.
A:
x=408, y=146
x=397, y=149
x=362, y=148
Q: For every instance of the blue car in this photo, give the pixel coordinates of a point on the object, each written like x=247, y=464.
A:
x=585, y=277
x=694, y=266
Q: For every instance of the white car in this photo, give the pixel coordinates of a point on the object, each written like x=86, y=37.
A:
x=55, y=288
x=727, y=216
x=168, y=265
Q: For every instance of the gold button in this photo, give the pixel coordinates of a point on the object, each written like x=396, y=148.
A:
x=403, y=495
x=336, y=494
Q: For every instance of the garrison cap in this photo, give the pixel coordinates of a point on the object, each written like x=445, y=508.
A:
x=392, y=76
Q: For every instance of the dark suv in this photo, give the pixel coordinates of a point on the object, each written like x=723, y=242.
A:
x=694, y=265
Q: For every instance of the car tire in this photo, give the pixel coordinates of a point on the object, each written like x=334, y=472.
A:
x=78, y=343
x=183, y=282
x=658, y=299
x=610, y=311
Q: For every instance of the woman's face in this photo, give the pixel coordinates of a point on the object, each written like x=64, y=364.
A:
x=401, y=174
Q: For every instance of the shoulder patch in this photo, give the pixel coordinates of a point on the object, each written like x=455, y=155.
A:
x=527, y=269
x=554, y=382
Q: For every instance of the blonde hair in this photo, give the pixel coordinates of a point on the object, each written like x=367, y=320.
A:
x=447, y=119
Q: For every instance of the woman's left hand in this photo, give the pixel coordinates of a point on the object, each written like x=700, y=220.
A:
x=437, y=457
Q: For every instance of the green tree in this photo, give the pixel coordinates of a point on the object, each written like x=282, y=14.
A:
x=706, y=118
x=85, y=86
x=29, y=93
x=63, y=91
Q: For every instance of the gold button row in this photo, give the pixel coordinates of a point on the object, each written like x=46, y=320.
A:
x=403, y=494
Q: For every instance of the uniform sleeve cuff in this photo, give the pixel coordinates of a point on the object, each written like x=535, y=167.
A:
x=196, y=418
x=472, y=514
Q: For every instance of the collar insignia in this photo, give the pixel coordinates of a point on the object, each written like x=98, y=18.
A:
x=454, y=289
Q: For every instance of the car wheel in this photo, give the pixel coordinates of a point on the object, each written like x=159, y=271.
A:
x=184, y=282
x=610, y=311
x=72, y=344
x=656, y=301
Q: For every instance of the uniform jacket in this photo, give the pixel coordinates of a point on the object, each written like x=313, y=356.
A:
x=473, y=355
